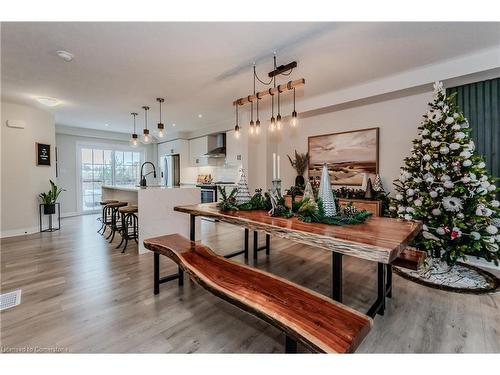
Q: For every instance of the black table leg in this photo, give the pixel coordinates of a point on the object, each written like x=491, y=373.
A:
x=389, y=281
x=246, y=243
x=337, y=276
x=268, y=244
x=290, y=345
x=379, y=306
x=255, y=244
x=156, y=273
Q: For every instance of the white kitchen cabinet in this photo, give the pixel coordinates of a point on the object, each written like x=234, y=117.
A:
x=199, y=147
x=234, y=154
x=177, y=146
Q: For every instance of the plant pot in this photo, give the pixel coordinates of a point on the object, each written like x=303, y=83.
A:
x=49, y=209
x=300, y=181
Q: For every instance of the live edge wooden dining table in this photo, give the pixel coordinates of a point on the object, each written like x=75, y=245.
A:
x=379, y=239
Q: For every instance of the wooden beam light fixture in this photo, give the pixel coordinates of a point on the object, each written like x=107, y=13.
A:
x=275, y=122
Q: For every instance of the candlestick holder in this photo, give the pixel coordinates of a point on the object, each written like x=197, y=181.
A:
x=276, y=186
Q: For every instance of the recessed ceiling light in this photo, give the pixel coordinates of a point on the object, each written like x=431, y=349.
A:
x=173, y=125
x=200, y=115
x=48, y=101
x=65, y=55
x=106, y=124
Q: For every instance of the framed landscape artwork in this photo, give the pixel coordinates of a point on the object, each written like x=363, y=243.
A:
x=349, y=156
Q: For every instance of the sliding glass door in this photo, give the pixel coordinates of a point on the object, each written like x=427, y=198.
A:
x=105, y=166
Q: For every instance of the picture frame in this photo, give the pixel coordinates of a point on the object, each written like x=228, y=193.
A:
x=349, y=156
x=42, y=154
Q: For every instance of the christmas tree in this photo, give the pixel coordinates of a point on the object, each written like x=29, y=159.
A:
x=325, y=193
x=243, y=194
x=446, y=186
x=377, y=185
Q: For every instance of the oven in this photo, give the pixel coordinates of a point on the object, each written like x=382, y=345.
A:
x=208, y=193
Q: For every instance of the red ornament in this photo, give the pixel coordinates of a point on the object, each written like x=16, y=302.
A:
x=454, y=234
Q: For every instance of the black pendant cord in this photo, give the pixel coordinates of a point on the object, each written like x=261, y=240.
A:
x=134, y=114
x=160, y=112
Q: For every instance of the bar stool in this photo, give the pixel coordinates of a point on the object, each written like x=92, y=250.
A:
x=115, y=225
x=130, y=225
x=105, y=218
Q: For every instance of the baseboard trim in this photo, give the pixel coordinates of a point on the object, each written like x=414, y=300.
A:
x=70, y=214
x=19, y=232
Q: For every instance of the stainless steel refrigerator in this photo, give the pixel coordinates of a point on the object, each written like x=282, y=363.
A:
x=170, y=170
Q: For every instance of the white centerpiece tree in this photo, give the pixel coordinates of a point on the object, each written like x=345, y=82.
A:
x=445, y=184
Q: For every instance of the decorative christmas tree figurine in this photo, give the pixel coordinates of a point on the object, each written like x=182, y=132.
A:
x=377, y=185
x=369, y=192
x=308, y=191
x=325, y=193
x=243, y=195
x=446, y=186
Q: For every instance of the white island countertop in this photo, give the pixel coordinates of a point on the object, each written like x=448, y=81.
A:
x=156, y=207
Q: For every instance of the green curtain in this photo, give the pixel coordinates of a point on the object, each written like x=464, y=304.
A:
x=480, y=103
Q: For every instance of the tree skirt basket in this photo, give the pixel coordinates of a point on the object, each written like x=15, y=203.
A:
x=461, y=278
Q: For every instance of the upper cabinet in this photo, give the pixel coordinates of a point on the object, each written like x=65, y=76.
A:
x=198, y=147
x=233, y=149
x=178, y=146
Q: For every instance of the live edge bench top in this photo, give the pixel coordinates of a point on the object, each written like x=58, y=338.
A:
x=379, y=239
x=318, y=322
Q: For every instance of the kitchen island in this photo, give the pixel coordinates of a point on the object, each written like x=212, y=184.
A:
x=156, y=208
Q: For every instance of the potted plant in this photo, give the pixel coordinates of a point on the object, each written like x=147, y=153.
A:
x=300, y=165
x=49, y=199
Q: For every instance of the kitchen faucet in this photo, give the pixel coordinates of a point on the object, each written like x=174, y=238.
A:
x=143, y=176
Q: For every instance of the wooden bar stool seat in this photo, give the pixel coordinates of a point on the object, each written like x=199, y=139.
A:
x=107, y=201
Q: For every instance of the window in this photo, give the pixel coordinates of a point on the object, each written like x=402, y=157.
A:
x=100, y=166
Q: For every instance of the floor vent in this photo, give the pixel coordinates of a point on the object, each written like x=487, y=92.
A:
x=10, y=299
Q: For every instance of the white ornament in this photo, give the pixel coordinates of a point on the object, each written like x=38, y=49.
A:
x=456, y=127
x=424, y=227
x=491, y=229
x=449, y=120
x=425, y=141
x=418, y=202
x=460, y=135
x=485, y=184
x=399, y=197
x=444, y=150
x=495, y=203
x=464, y=125
x=465, y=179
x=426, y=157
x=467, y=163
x=492, y=187
x=435, y=143
x=407, y=217
x=436, y=212
x=401, y=209
x=435, y=116
x=456, y=115
x=440, y=231
x=435, y=134
x=410, y=192
x=481, y=165
x=452, y=204
x=433, y=193
x=475, y=235
x=460, y=215
x=429, y=236
x=445, y=177
x=454, y=146
x=465, y=154
x=425, y=132
x=448, y=184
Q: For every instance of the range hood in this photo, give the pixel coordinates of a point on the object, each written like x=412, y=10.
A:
x=220, y=150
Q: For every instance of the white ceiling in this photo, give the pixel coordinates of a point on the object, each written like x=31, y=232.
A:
x=202, y=67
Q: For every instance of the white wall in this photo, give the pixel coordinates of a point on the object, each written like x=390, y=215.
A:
x=67, y=139
x=22, y=180
x=397, y=118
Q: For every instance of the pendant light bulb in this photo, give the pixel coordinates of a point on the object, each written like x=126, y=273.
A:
x=160, y=131
x=272, y=125
x=237, y=131
x=257, y=127
x=278, y=122
x=146, y=138
x=134, y=141
x=251, y=128
x=295, y=120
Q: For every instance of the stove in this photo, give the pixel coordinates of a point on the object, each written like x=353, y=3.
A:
x=209, y=190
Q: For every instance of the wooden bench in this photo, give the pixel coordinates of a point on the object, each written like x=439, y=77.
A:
x=316, y=321
x=410, y=258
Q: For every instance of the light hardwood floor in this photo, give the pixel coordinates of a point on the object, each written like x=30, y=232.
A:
x=82, y=295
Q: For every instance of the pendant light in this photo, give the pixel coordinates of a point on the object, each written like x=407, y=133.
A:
x=146, y=138
x=272, y=125
x=295, y=120
x=278, y=117
x=160, y=132
x=257, y=123
x=251, y=128
x=134, y=141
x=237, y=127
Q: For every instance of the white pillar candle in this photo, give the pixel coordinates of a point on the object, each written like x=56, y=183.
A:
x=274, y=166
x=278, y=167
